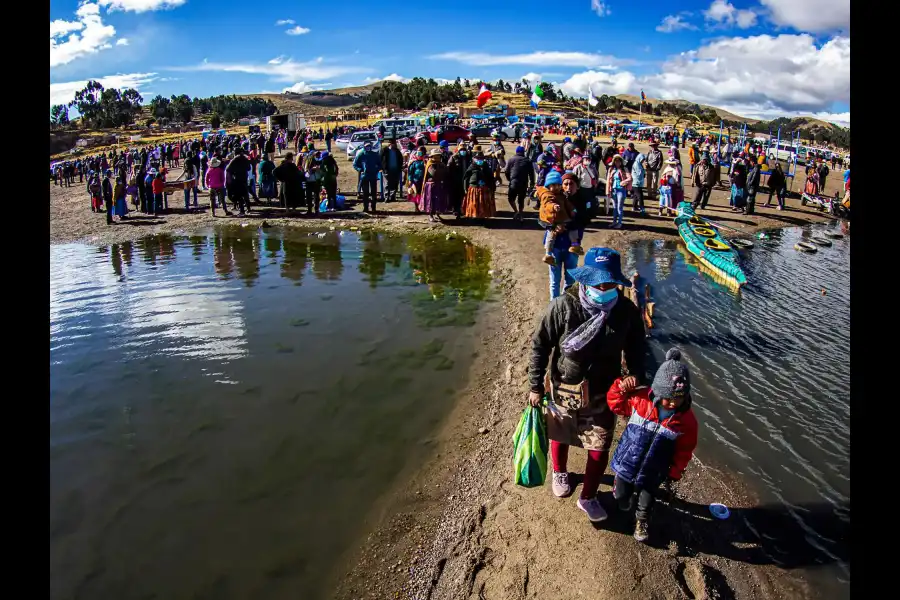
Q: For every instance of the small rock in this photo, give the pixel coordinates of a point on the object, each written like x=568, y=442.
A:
x=483, y=430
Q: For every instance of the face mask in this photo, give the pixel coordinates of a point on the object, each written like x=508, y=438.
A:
x=479, y=162
x=462, y=152
x=600, y=297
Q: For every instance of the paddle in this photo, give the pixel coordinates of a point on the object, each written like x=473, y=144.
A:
x=711, y=222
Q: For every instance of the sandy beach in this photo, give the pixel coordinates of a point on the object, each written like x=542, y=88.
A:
x=455, y=526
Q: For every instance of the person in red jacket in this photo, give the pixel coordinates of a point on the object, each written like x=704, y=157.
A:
x=659, y=440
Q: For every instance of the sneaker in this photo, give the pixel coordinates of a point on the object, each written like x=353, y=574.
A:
x=576, y=250
x=595, y=512
x=641, y=531
x=548, y=259
x=617, y=226
x=561, y=486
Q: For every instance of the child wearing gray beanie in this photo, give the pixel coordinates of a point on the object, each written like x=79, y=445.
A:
x=659, y=440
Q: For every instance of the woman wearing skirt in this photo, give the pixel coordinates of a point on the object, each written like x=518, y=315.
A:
x=435, y=194
x=480, y=182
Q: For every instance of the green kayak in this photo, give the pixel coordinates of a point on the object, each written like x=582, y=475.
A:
x=703, y=241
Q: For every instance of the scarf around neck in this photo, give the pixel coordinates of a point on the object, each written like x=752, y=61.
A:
x=588, y=330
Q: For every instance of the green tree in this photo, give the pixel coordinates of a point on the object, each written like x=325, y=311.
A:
x=182, y=108
x=159, y=107
x=215, y=121
x=87, y=101
x=59, y=115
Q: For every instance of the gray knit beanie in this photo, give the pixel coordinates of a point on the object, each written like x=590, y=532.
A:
x=672, y=380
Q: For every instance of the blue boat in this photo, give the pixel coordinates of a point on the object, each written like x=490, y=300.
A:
x=703, y=240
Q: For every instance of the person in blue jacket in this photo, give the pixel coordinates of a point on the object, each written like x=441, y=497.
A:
x=368, y=165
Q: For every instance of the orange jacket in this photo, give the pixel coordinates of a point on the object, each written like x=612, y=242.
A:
x=555, y=208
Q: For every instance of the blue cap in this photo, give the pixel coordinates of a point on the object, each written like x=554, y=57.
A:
x=567, y=139
x=444, y=144
x=553, y=177
x=601, y=265
x=520, y=149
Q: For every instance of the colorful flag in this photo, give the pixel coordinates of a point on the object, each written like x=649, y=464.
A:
x=537, y=96
x=643, y=97
x=483, y=96
x=591, y=100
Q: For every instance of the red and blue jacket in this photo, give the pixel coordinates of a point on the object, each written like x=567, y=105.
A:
x=650, y=450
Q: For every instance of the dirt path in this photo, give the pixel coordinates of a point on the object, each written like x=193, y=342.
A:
x=457, y=528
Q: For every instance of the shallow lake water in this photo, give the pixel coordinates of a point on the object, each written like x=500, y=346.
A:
x=770, y=370
x=226, y=408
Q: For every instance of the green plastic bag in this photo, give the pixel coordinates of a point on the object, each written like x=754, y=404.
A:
x=530, y=447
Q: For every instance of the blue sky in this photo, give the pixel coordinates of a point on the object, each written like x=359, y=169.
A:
x=758, y=58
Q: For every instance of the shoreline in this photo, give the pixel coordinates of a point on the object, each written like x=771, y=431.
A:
x=454, y=525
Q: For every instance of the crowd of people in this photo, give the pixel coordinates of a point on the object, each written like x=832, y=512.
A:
x=566, y=182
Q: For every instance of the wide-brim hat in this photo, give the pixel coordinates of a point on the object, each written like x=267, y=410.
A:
x=601, y=265
x=215, y=163
x=435, y=152
x=619, y=156
x=654, y=143
x=673, y=161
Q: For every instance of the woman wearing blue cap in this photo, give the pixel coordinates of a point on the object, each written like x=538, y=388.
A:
x=583, y=337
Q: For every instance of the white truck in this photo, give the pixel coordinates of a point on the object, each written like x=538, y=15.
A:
x=292, y=122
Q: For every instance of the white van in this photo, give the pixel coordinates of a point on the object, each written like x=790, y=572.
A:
x=785, y=151
x=397, y=128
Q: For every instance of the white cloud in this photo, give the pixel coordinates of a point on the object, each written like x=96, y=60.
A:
x=300, y=87
x=280, y=69
x=600, y=82
x=63, y=93
x=785, y=73
x=391, y=77
x=70, y=40
x=297, y=30
x=810, y=15
x=281, y=22
x=722, y=13
x=122, y=42
x=761, y=76
x=672, y=23
x=140, y=6
x=543, y=58
x=600, y=7
x=531, y=78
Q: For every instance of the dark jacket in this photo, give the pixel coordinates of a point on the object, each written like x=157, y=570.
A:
x=753, y=177
x=107, y=189
x=600, y=362
x=480, y=176
x=292, y=178
x=776, y=180
x=534, y=150
x=458, y=166
x=386, y=158
x=520, y=173
x=651, y=450
x=239, y=167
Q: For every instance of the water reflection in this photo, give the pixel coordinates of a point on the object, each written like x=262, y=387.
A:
x=193, y=385
x=325, y=254
x=379, y=251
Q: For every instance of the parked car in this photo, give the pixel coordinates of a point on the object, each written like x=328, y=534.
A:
x=509, y=131
x=342, y=140
x=358, y=139
x=482, y=130
x=450, y=133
